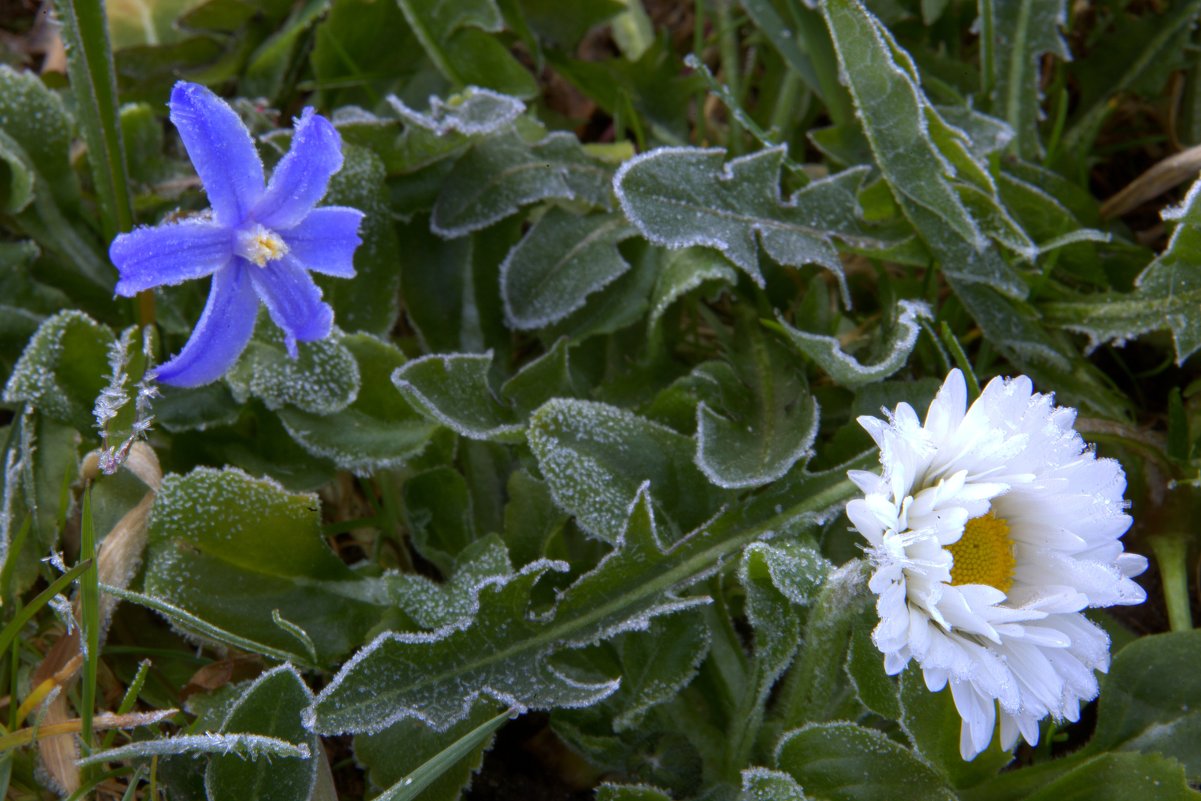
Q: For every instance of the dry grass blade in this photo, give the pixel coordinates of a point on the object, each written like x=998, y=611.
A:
x=1169, y=173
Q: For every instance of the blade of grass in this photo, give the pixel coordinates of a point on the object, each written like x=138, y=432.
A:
x=10, y=632
x=411, y=786
x=89, y=614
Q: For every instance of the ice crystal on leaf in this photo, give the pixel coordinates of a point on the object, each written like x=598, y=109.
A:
x=260, y=241
x=1010, y=491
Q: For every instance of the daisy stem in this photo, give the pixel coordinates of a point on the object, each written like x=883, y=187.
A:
x=1171, y=554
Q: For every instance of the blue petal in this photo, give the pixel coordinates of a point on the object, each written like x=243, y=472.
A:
x=325, y=241
x=221, y=335
x=169, y=254
x=221, y=151
x=293, y=300
x=302, y=176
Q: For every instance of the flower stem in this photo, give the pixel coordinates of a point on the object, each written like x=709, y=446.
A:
x=1171, y=553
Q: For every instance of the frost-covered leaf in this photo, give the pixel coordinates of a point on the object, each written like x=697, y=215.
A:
x=685, y=270
x=531, y=517
x=501, y=173
x=1167, y=294
x=237, y=746
x=414, y=761
x=1022, y=32
x=269, y=707
x=472, y=112
x=561, y=260
x=941, y=185
x=438, y=511
x=682, y=197
x=456, y=37
x=35, y=119
x=370, y=301
x=262, y=546
x=845, y=762
x=548, y=376
x=453, y=389
x=630, y=792
x=378, y=429
x=322, y=379
x=764, y=420
x=657, y=664
x=61, y=370
x=454, y=602
x=595, y=457
x=849, y=371
x=763, y=784
x=123, y=408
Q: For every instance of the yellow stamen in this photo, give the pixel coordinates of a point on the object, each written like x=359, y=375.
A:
x=984, y=554
x=260, y=245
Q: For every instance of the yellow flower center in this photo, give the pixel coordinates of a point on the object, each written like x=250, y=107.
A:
x=261, y=245
x=984, y=554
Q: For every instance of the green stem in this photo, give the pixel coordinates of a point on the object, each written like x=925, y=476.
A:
x=89, y=613
x=816, y=39
x=785, y=109
x=1171, y=554
x=727, y=45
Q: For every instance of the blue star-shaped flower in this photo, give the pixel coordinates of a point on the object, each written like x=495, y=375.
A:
x=259, y=243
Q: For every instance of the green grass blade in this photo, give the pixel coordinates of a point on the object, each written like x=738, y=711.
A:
x=411, y=786
x=89, y=614
x=22, y=617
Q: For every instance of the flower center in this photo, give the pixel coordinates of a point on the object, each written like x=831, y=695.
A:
x=984, y=554
x=260, y=245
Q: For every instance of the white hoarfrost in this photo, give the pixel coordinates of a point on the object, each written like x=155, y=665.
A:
x=990, y=530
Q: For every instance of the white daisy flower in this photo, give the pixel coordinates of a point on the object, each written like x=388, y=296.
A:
x=990, y=529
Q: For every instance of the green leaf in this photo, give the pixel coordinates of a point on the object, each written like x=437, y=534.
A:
x=456, y=38
x=1151, y=700
x=453, y=390
x=438, y=511
x=561, y=260
x=369, y=302
x=434, y=605
x=685, y=270
x=630, y=792
x=61, y=370
x=682, y=197
x=271, y=707
x=263, y=547
x=36, y=120
x=1120, y=777
x=362, y=51
x=123, y=408
x=266, y=71
x=595, y=457
x=1167, y=294
x=377, y=430
x=865, y=667
x=764, y=420
x=848, y=371
x=93, y=83
x=531, y=517
x=431, y=766
x=1019, y=33
x=657, y=664
x=17, y=179
x=844, y=762
x=501, y=173
x=505, y=650
x=322, y=380
x=762, y=784
x=548, y=376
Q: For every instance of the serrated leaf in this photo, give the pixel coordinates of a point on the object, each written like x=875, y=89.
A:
x=454, y=602
x=927, y=162
x=561, y=260
x=763, y=784
x=847, y=370
x=455, y=37
x=472, y=112
x=453, y=389
x=845, y=762
x=683, y=197
x=1167, y=294
x=378, y=429
x=657, y=664
x=503, y=652
x=595, y=457
x=263, y=547
x=502, y=172
x=765, y=420
x=322, y=379
x=1022, y=31
x=270, y=707
x=61, y=370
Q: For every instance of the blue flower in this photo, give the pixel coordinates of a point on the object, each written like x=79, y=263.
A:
x=259, y=242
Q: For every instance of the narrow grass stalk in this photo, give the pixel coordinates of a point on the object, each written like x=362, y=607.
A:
x=1171, y=554
x=89, y=613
